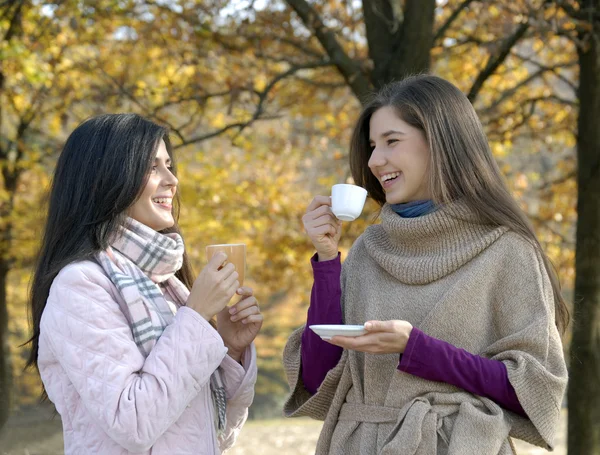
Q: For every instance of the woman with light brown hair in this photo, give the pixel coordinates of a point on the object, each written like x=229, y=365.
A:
x=462, y=308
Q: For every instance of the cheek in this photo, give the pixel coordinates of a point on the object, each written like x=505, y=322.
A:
x=149, y=189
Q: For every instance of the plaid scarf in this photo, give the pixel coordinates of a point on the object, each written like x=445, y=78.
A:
x=138, y=259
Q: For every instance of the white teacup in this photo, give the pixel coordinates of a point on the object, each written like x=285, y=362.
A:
x=347, y=201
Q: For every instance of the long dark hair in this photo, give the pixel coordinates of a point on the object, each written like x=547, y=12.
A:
x=100, y=173
x=462, y=165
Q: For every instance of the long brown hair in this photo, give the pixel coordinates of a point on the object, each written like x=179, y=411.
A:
x=101, y=172
x=462, y=165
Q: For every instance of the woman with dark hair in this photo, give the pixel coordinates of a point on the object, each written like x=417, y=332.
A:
x=462, y=309
x=124, y=337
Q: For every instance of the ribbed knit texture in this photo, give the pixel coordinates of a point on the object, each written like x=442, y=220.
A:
x=476, y=286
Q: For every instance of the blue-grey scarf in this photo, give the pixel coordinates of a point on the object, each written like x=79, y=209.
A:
x=414, y=209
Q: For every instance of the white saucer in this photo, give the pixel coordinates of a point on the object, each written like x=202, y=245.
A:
x=330, y=330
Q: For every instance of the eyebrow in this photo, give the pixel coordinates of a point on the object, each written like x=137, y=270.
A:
x=389, y=133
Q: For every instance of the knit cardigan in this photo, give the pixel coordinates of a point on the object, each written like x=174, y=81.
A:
x=479, y=287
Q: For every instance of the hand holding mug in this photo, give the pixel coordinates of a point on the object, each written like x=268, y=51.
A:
x=323, y=228
x=214, y=287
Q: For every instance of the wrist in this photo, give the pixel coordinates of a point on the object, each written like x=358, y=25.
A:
x=235, y=355
x=405, y=337
x=322, y=257
x=203, y=314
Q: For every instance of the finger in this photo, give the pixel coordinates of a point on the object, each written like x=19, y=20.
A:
x=356, y=343
x=217, y=261
x=254, y=319
x=323, y=230
x=231, y=280
x=327, y=218
x=226, y=272
x=380, y=326
x=317, y=202
x=309, y=218
x=232, y=288
x=242, y=314
x=245, y=291
x=243, y=304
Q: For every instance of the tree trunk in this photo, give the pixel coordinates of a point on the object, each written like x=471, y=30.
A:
x=10, y=179
x=584, y=385
x=400, y=38
x=5, y=364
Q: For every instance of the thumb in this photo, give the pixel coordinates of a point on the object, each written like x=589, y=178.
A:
x=379, y=326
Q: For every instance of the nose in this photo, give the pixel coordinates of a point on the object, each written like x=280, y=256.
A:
x=170, y=180
x=377, y=159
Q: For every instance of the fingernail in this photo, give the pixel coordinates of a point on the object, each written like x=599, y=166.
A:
x=244, y=321
x=368, y=326
x=232, y=310
x=233, y=319
x=326, y=338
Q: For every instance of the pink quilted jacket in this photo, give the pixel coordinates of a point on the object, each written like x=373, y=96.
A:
x=112, y=400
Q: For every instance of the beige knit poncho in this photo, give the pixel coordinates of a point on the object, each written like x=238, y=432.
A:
x=479, y=287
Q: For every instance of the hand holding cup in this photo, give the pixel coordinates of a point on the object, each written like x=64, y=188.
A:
x=214, y=287
x=322, y=227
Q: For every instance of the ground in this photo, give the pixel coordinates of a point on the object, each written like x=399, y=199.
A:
x=36, y=433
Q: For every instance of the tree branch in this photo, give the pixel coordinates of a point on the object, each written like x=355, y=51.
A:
x=349, y=69
x=301, y=46
x=546, y=188
x=258, y=113
x=446, y=25
x=553, y=69
x=511, y=91
x=495, y=61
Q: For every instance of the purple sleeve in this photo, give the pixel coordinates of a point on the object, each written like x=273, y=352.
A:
x=318, y=356
x=475, y=374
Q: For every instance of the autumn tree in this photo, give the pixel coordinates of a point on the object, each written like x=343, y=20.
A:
x=261, y=103
x=39, y=87
x=584, y=386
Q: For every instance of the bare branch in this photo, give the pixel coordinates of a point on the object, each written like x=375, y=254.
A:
x=299, y=45
x=123, y=90
x=582, y=14
x=15, y=20
x=510, y=92
x=349, y=69
x=496, y=60
x=546, y=188
x=321, y=84
x=258, y=113
x=546, y=224
x=446, y=25
x=553, y=69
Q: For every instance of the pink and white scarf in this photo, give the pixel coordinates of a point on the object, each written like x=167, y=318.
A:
x=136, y=262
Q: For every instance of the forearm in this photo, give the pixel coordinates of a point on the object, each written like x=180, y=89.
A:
x=436, y=360
x=318, y=356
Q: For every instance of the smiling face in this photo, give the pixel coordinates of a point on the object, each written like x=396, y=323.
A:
x=400, y=157
x=154, y=207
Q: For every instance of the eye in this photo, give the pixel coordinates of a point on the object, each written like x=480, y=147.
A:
x=154, y=168
x=392, y=141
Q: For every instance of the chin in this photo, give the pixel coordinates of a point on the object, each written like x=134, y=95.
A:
x=161, y=225
x=394, y=199
x=167, y=225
